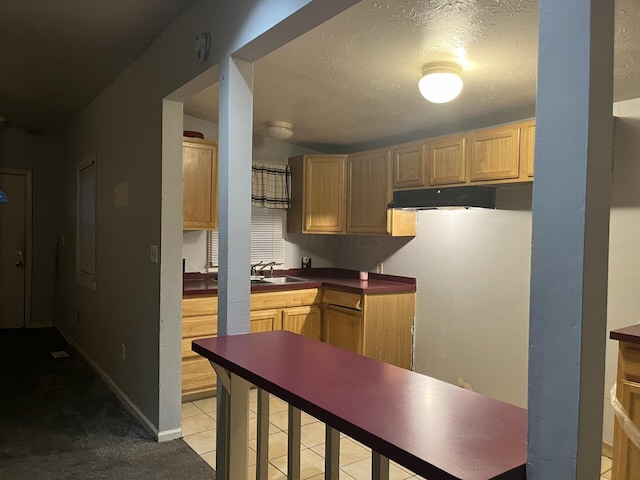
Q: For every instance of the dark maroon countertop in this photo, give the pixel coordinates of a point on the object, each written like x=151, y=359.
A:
x=437, y=430
x=627, y=334
x=346, y=280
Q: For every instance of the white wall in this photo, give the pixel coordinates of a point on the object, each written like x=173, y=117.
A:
x=624, y=240
x=472, y=269
x=40, y=155
x=265, y=149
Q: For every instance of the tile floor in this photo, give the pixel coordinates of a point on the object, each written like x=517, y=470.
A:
x=199, y=431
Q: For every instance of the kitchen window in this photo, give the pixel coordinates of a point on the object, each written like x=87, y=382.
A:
x=267, y=237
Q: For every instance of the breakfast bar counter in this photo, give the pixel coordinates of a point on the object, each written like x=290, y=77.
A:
x=437, y=430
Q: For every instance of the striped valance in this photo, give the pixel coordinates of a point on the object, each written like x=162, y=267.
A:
x=270, y=185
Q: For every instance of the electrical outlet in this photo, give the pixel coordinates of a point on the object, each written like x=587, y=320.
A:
x=153, y=254
x=124, y=351
x=379, y=268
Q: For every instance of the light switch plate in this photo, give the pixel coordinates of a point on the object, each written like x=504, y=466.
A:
x=153, y=256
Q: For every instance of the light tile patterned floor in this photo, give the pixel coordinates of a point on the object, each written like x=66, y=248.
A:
x=198, y=428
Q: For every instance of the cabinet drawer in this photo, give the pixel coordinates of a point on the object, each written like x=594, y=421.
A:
x=199, y=305
x=200, y=326
x=187, y=352
x=197, y=375
x=285, y=299
x=343, y=299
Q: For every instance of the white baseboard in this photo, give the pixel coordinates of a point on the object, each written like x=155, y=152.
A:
x=162, y=436
x=166, y=435
x=607, y=450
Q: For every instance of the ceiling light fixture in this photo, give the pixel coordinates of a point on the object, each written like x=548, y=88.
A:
x=441, y=82
x=280, y=130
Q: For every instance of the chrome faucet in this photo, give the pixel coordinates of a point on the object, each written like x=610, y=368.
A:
x=265, y=265
x=254, y=266
x=259, y=267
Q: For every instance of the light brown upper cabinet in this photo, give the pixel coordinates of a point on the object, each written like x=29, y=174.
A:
x=318, y=194
x=495, y=154
x=369, y=191
x=409, y=166
x=447, y=160
x=336, y=194
x=199, y=184
x=527, y=147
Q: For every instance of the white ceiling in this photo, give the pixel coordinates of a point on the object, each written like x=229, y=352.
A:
x=56, y=56
x=352, y=82
x=349, y=83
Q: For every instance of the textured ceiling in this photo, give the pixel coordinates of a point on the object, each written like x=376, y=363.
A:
x=351, y=83
x=57, y=55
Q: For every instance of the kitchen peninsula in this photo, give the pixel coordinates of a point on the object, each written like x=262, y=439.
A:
x=373, y=318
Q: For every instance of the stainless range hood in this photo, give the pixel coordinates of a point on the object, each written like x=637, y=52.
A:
x=428, y=198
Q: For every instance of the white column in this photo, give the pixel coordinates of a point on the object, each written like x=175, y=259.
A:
x=235, y=123
x=234, y=194
x=570, y=239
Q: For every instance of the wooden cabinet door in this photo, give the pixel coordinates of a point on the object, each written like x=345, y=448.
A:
x=324, y=194
x=200, y=184
x=303, y=320
x=527, y=147
x=343, y=328
x=495, y=154
x=447, y=160
x=369, y=191
x=626, y=456
x=265, y=320
x=409, y=166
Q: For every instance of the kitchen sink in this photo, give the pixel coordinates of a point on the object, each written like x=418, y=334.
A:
x=285, y=279
x=259, y=280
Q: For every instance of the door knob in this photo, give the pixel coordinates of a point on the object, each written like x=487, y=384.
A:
x=20, y=262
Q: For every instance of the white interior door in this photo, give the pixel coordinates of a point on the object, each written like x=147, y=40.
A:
x=12, y=250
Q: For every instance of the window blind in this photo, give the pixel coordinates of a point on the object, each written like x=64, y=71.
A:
x=267, y=237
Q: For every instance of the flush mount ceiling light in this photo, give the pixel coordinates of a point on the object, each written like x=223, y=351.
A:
x=280, y=130
x=441, y=82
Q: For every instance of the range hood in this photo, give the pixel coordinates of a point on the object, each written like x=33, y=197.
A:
x=482, y=197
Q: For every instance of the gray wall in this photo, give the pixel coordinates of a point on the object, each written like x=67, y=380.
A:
x=124, y=128
x=41, y=155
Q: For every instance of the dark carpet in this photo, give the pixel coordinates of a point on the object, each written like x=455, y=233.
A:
x=59, y=420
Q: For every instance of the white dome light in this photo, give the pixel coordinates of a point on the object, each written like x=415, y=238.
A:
x=280, y=130
x=441, y=82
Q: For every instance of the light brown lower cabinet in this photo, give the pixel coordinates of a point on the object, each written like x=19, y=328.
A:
x=377, y=326
x=199, y=320
x=343, y=327
x=626, y=456
x=294, y=310
x=303, y=320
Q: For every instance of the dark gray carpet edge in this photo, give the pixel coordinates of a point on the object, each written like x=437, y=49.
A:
x=59, y=420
